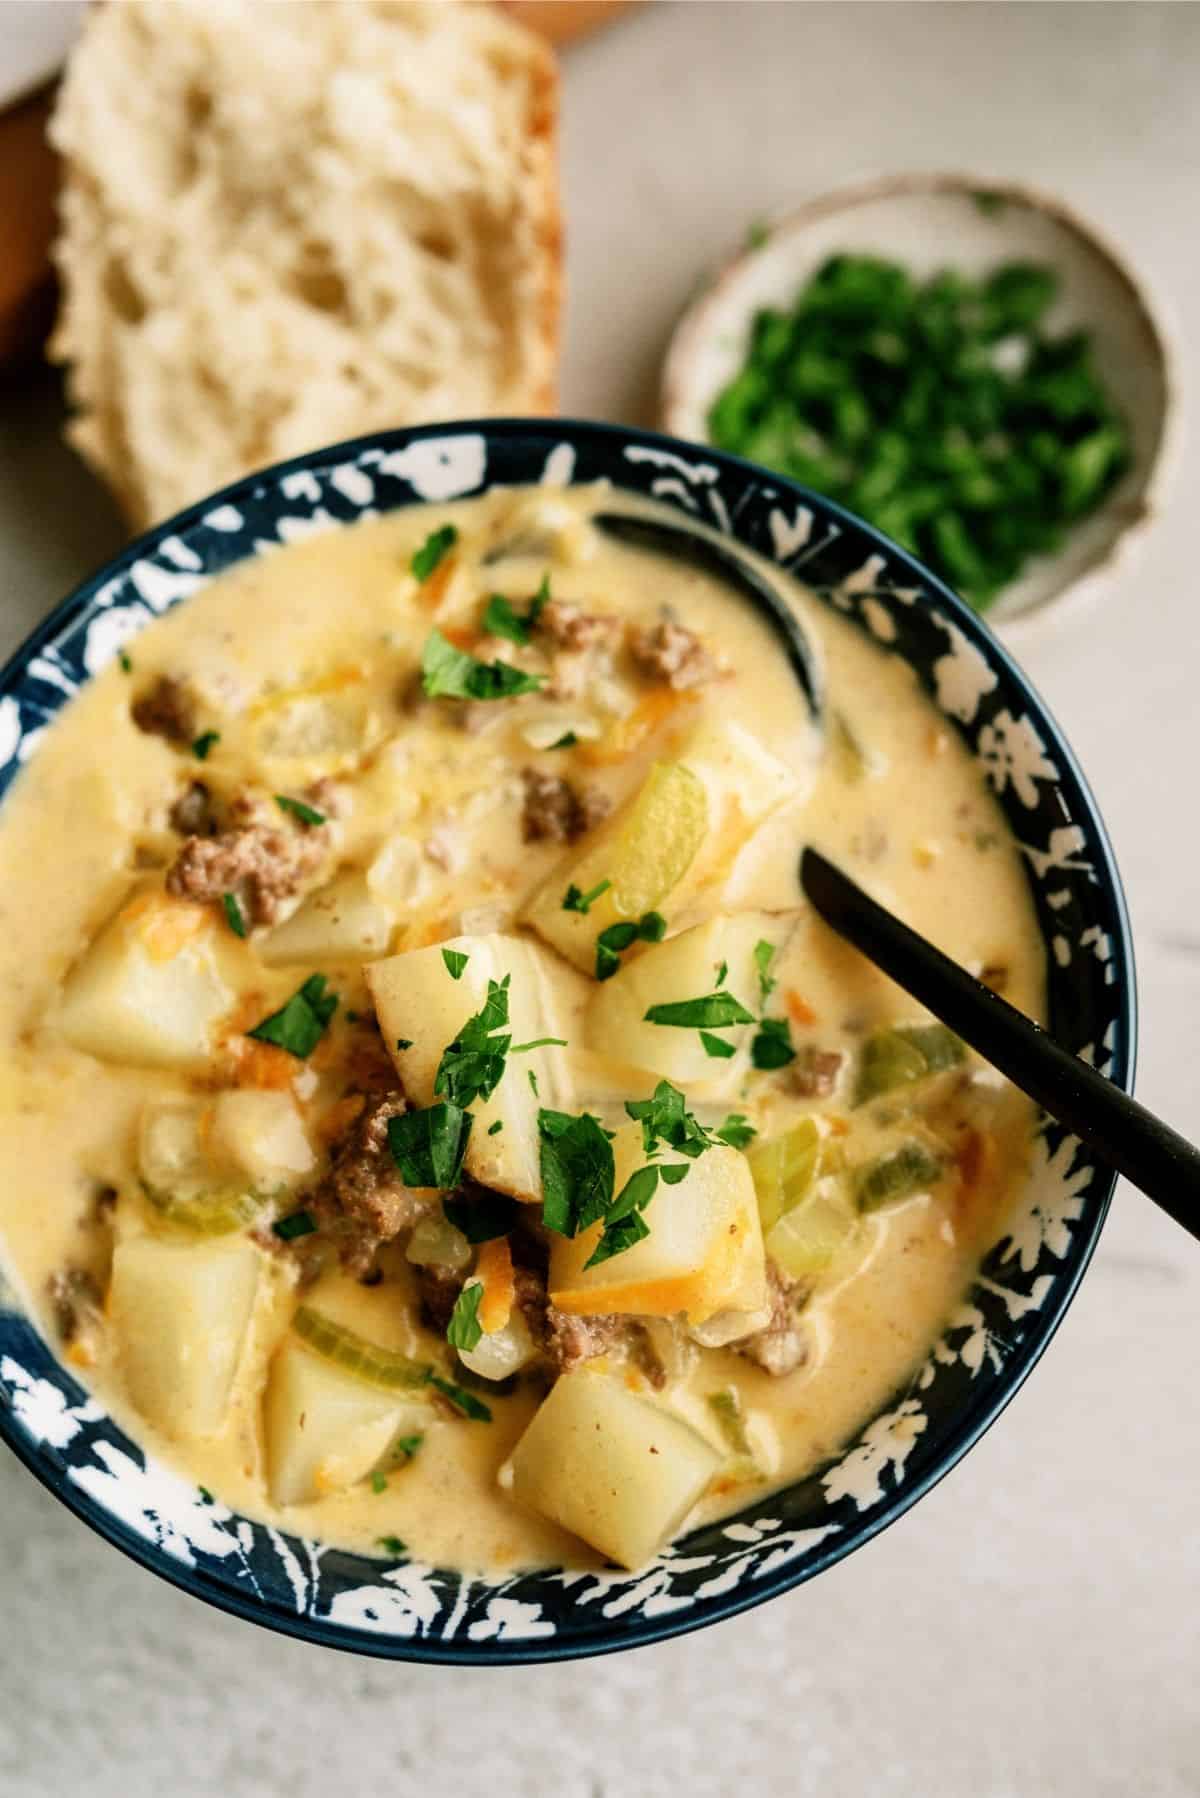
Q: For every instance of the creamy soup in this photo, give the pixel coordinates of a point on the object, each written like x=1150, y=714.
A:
x=431, y=1115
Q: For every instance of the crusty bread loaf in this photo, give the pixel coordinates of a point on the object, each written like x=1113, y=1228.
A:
x=283, y=224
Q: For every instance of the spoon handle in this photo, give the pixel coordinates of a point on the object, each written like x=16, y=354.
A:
x=1130, y=1138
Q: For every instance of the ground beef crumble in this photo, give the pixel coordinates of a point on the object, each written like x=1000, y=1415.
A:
x=782, y=1344
x=557, y=812
x=75, y=1301
x=568, y=625
x=362, y=1200
x=669, y=652
x=193, y=813
x=565, y=1342
x=167, y=709
x=263, y=862
x=814, y=1072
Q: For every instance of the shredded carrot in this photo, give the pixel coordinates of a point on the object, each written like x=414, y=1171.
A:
x=495, y=1270
x=838, y=1126
x=431, y=592
x=81, y=1353
x=165, y=925
x=799, y=1010
x=461, y=635
x=629, y=733
x=975, y=1159
x=262, y=1065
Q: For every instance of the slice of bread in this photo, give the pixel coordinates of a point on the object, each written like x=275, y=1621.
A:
x=284, y=224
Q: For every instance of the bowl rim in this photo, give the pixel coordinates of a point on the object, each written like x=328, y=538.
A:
x=1156, y=321
x=977, y=1415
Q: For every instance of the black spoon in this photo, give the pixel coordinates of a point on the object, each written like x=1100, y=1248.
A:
x=1122, y=1132
x=681, y=544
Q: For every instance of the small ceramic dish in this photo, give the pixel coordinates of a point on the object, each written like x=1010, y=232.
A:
x=404, y=1608
x=937, y=221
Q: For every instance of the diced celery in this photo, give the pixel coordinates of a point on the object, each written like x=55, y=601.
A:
x=892, y=1058
x=806, y=1238
x=784, y=1169
x=908, y=1169
x=367, y=1361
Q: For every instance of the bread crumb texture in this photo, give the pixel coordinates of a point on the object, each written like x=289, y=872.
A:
x=282, y=225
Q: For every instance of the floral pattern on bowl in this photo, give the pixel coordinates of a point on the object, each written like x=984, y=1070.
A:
x=406, y=1609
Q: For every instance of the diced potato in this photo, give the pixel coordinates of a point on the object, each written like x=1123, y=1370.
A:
x=324, y=1429
x=684, y=967
x=170, y=1147
x=645, y=851
x=704, y=1252
x=342, y=922
x=679, y=835
x=610, y=1466
x=318, y=731
x=148, y=990
x=260, y=1133
x=179, y=1310
x=418, y=1000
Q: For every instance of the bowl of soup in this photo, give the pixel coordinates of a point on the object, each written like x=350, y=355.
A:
x=457, y=1201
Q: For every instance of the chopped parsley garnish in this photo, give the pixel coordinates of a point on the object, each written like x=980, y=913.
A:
x=612, y=943
x=502, y=620
x=439, y=543
x=568, y=740
x=717, y=1047
x=428, y=1145
x=482, y=1219
x=466, y=1402
x=772, y=1047
x=126, y=661
x=205, y=1494
x=307, y=814
x=378, y=1481
x=407, y=1446
x=300, y=1223
x=496, y=1128
x=455, y=962
x=299, y=1025
x=464, y=1331
x=449, y=673
x=736, y=1131
x=533, y=1082
x=404, y=1042
x=204, y=742
x=391, y=1545
x=574, y=900
x=472, y=1065
x=722, y=973
x=577, y=1170
x=234, y=914
x=624, y=1224
x=714, y=1011
x=667, y=1122
x=764, y=955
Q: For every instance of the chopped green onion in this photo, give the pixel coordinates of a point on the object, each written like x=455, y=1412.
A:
x=204, y=742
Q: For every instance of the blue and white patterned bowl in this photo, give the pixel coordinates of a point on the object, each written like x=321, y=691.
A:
x=413, y=1611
